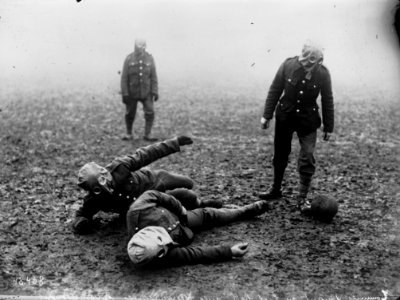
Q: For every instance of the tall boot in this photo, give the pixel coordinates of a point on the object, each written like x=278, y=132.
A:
x=304, y=186
x=275, y=191
x=129, y=125
x=149, y=119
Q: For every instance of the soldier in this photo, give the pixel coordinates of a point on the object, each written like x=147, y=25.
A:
x=301, y=79
x=160, y=230
x=115, y=187
x=139, y=83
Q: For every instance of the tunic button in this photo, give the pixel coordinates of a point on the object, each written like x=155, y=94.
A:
x=120, y=195
x=169, y=228
x=127, y=197
x=297, y=110
x=136, y=229
x=131, y=181
x=298, y=101
x=303, y=81
x=174, y=225
x=140, y=74
x=281, y=104
x=162, y=211
x=140, y=61
x=313, y=108
x=141, y=68
x=301, y=92
x=289, y=80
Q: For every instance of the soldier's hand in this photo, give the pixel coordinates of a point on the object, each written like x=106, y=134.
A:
x=125, y=99
x=81, y=225
x=239, y=250
x=264, y=123
x=155, y=97
x=326, y=136
x=184, y=140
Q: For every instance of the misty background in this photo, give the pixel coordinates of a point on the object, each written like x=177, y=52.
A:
x=64, y=44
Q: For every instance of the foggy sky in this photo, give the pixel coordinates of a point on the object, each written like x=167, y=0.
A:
x=62, y=43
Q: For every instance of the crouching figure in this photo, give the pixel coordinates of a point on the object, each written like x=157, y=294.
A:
x=160, y=230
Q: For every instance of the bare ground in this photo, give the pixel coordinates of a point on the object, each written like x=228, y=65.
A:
x=46, y=136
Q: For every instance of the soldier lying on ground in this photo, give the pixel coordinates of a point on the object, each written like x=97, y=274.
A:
x=160, y=230
x=113, y=188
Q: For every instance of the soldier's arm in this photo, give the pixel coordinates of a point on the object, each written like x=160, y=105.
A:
x=146, y=155
x=327, y=102
x=124, y=79
x=153, y=78
x=84, y=215
x=161, y=199
x=197, y=255
x=274, y=93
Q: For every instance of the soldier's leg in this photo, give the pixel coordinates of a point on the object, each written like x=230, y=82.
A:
x=190, y=201
x=206, y=218
x=186, y=197
x=282, y=149
x=306, y=168
x=148, y=110
x=169, y=181
x=130, y=114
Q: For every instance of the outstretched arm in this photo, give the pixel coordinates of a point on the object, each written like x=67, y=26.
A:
x=204, y=255
x=146, y=155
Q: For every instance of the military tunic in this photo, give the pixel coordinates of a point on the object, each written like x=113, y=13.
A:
x=139, y=77
x=294, y=98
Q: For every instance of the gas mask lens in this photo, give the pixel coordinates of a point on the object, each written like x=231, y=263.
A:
x=312, y=59
x=97, y=190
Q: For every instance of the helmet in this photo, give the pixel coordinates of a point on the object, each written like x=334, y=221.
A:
x=147, y=244
x=94, y=178
x=324, y=208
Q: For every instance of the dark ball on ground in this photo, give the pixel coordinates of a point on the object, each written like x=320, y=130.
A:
x=324, y=208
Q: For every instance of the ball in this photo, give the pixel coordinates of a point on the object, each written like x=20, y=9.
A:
x=324, y=208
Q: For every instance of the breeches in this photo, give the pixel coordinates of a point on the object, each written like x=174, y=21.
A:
x=283, y=146
x=205, y=218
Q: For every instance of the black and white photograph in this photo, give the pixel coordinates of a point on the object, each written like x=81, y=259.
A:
x=200, y=149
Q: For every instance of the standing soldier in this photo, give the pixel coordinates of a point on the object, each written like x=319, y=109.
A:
x=301, y=79
x=139, y=83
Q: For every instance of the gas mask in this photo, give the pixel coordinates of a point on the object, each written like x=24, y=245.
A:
x=311, y=57
x=140, y=45
x=95, y=179
x=148, y=243
x=311, y=54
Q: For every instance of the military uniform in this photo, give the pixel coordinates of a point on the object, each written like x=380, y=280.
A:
x=130, y=180
x=155, y=208
x=139, y=83
x=293, y=97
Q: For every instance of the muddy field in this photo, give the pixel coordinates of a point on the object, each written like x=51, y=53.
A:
x=46, y=136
